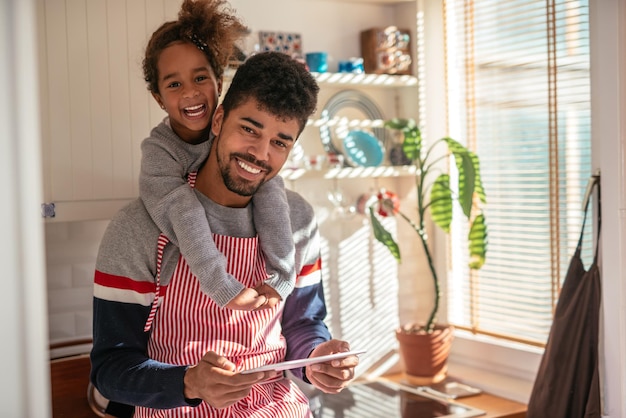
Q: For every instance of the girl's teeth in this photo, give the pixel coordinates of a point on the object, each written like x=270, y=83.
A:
x=191, y=111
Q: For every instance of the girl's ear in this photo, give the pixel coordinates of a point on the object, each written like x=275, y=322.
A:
x=158, y=99
x=218, y=119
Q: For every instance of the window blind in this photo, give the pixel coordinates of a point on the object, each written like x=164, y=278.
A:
x=519, y=96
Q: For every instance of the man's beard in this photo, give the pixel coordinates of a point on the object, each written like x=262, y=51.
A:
x=241, y=187
x=236, y=185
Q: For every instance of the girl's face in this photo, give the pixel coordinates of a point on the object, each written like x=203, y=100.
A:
x=188, y=90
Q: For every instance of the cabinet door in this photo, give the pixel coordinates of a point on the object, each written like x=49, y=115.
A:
x=95, y=106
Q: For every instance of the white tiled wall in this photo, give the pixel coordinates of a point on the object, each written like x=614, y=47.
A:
x=71, y=249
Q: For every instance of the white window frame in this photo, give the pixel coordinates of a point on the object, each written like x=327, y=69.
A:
x=509, y=369
x=499, y=367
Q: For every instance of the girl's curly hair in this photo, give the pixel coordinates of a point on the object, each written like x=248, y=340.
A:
x=210, y=25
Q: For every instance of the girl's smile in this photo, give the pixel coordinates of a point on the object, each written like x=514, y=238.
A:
x=188, y=90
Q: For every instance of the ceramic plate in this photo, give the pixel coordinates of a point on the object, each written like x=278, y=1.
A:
x=349, y=104
x=363, y=149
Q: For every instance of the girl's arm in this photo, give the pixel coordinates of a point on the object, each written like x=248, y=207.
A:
x=175, y=209
x=272, y=220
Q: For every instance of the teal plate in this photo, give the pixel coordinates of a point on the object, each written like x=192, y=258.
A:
x=363, y=149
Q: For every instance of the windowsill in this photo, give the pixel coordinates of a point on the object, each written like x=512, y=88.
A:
x=504, y=369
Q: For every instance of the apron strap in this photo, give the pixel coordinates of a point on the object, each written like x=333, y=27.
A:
x=161, y=243
x=594, y=182
x=191, y=179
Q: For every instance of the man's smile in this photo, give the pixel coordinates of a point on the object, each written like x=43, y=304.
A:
x=247, y=167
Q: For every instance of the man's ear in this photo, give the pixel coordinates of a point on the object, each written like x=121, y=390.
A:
x=218, y=120
x=158, y=99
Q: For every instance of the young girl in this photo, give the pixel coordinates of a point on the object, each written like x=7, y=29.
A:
x=188, y=90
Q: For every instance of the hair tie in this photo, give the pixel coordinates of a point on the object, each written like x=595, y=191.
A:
x=200, y=44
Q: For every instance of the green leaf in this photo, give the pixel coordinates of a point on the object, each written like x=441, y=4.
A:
x=466, y=181
x=441, y=202
x=412, y=144
x=383, y=236
x=467, y=174
x=478, y=183
x=477, y=242
x=400, y=124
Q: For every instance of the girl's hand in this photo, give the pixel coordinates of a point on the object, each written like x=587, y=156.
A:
x=247, y=300
x=270, y=294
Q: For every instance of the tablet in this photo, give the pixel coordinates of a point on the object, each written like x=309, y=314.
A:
x=295, y=364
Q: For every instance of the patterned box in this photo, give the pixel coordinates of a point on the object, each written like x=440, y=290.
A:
x=289, y=43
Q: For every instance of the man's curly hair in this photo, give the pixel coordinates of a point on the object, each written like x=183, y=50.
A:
x=281, y=85
x=210, y=25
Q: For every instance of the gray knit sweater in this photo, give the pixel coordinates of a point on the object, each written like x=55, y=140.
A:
x=175, y=209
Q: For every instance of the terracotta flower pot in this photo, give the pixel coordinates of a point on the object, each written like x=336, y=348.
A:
x=425, y=355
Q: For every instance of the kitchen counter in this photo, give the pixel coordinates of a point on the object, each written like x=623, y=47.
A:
x=70, y=379
x=494, y=406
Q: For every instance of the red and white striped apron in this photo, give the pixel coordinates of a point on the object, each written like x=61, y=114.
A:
x=188, y=323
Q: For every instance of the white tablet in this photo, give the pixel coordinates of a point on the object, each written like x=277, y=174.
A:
x=295, y=364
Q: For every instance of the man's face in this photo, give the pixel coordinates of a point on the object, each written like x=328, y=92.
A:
x=188, y=90
x=250, y=147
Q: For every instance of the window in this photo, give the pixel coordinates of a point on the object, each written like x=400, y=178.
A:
x=518, y=94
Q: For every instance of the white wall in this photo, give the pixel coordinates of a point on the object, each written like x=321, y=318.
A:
x=317, y=21
x=24, y=388
x=608, y=87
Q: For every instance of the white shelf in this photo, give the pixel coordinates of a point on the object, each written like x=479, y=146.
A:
x=371, y=1
x=365, y=80
x=353, y=79
x=289, y=174
x=337, y=122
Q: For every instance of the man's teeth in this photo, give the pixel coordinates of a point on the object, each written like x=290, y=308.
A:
x=248, y=168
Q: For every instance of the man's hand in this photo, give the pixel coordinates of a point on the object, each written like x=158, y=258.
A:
x=335, y=375
x=214, y=381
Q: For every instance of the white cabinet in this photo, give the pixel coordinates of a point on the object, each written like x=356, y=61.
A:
x=95, y=108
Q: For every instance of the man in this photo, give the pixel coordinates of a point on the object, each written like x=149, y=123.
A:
x=162, y=345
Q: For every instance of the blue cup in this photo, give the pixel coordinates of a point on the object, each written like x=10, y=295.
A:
x=317, y=62
x=345, y=66
x=353, y=65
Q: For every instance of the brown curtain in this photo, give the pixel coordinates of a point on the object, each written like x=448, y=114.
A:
x=567, y=383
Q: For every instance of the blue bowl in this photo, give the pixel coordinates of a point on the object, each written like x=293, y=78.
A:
x=363, y=149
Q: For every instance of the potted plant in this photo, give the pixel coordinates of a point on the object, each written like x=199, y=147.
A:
x=436, y=197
